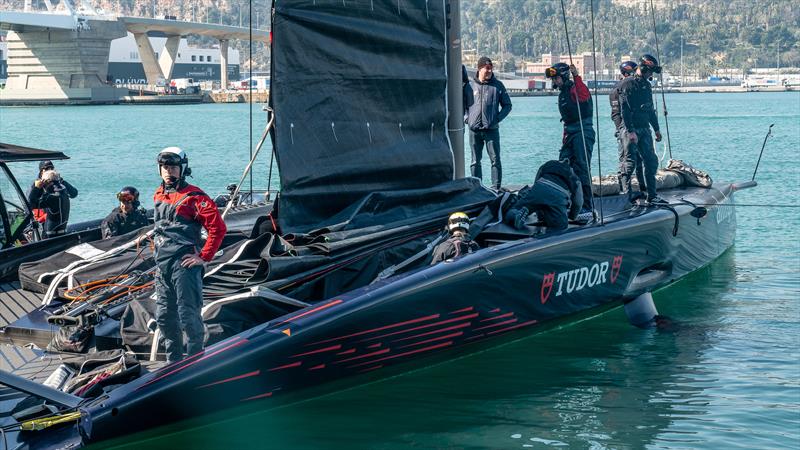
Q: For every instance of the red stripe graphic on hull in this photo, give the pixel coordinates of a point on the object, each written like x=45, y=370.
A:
x=266, y=394
x=206, y=356
x=442, y=330
x=519, y=325
x=311, y=311
x=321, y=350
x=442, y=322
x=505, y=322
x=367, y=355
x=386, y=327
x=420, y=350
x=238, y=377
x=286, y=366
x=428, y=341
x=501, y=316
x=459, y=311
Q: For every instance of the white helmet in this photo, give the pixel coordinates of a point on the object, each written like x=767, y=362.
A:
x=174, y=156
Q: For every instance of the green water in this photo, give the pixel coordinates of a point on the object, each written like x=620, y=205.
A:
x=726, y=376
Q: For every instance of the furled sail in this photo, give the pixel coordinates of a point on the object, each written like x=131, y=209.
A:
x=359, y=92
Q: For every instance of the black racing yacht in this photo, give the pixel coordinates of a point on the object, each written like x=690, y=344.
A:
x=335, y=287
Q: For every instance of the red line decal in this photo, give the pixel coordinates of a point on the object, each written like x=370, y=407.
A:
x=266, y=394
x=347, y=352
x=441, y=322
x=428, y=341
x=206, y=356
x=505, y=322
x=238, y=377
x=411, y=352
x=501, y=316
x=375, y=345
x=459, y=311
x=287, y=366
x=394, y=325
x=321, y=350
x=366, y=355
x=368, y=369
x=477, y=336
x=321, y=366
x=520, y=325
x=442, y=330
x=496, y=310
x=312, y=311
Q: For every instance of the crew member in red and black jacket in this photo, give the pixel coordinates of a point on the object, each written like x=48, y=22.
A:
x=181, y=211
x=575, y=105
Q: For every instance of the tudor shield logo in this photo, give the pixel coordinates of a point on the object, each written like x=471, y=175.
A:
x=547, y=286
x=571, y=281
x=615, y=266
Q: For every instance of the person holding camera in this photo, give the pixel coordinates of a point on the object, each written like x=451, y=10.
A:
x=52, y=195
x=126, y=217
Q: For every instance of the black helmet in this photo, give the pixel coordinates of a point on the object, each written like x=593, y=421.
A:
x=557, y=70
x=129, y=194
x=649, y=63
x=627, y=68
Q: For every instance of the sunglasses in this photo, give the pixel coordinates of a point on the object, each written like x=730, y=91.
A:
x=125, y=197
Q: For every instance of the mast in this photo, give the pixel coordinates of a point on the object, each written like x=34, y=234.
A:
x=455, y=93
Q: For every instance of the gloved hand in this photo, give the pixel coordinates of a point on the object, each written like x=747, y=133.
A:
x=521, y=219
x=658, y=136
x=632, y=137
x=573, y=70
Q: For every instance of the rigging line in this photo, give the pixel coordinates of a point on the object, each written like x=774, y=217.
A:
x=577, y=101
x=661, y=76
x=597, y=114
x=250, y=89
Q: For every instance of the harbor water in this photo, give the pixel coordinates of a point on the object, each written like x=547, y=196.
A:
x=726, y=374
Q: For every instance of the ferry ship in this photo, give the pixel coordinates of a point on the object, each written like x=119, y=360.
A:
x=199, y=63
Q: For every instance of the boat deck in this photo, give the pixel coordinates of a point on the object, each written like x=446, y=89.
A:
x=15, y=303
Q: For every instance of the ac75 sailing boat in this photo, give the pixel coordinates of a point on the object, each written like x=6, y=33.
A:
x=344, y=294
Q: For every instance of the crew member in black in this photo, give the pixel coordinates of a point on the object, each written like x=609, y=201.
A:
x=51, y=195
x=627, y=69
x=575, y=106
x=555, y=196
x=638, y=115
x=490, y=105
x=35, y=191
x=459, y=242
x=126, y=217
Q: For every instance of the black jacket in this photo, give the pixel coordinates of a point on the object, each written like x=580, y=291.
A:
x=490, y=105
x=636, y=104
x=117, y=223
x=562, y=174
x=453, y=247
x=613, y=98
x=55, y=201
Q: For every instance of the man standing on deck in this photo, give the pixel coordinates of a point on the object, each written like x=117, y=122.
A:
x=575, y=106
x=35, y=192
x=627, y=69
x=490, y=105
x=181, y=210
x=638, y=115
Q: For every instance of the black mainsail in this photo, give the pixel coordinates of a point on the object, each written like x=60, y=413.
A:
x=359, y=93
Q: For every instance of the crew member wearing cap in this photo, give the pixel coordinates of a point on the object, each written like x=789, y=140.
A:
x=35, y=192
x=459, y=243
x=626, y=69
x=575, y=106
x=638, y=115
x=181, y=211
x=555, y=197
x=490, y=105
x=126, y=217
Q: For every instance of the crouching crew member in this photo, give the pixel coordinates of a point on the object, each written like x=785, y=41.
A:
x=459, y=242
x=627, y=69
x=181, y=210
x=555, y=196
x=126, y=217
x=575, y=106
x=638, y=115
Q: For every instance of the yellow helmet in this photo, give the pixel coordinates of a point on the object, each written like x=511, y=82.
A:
x=458, y=220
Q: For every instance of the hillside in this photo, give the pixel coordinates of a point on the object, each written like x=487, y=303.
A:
x=729, y=34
